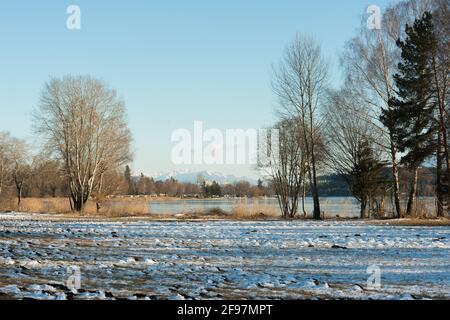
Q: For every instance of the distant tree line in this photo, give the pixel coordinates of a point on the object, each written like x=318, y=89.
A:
x=144, y=185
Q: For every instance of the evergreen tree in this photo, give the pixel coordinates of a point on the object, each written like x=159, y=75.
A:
x=129, y=181
x=215, y=189
x=412, y=112
x=260, y=184
x=140, y=188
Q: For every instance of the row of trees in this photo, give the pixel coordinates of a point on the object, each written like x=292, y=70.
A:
x=25, y=174
x=85, y=134
x=392, y=112
x=144, y=185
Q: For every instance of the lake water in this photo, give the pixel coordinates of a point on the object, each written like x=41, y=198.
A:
x=342, y=206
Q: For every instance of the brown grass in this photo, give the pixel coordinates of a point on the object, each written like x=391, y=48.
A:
x=239, y=212
x=45, y=205
x=254, y=212
x=121, y=209
x=139, y=207
x=109, y=208
x=7, y=204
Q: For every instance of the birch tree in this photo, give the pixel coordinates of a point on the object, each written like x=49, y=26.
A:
x=369, y=60
x=440, y=61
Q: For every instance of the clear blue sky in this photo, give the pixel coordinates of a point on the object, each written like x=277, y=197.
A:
x=173, y=62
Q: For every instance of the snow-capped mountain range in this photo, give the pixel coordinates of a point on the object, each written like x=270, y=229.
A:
x=192, y=177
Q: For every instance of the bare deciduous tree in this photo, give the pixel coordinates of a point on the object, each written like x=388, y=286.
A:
x=15, y=166
x=352, y=151
x=287, y=168
x=370, y=60
x=299, y=82
x=84, y=124
x=21, y=169
x=47, y=178
x=441, y=78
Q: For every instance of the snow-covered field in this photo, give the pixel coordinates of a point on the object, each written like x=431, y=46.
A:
x=220, y=260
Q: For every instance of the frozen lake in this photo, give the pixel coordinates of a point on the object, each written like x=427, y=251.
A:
x=220, y=260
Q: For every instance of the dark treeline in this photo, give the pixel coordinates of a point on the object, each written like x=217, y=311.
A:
x=334, y=185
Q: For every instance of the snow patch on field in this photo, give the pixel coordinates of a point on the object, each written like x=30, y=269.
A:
x=224, y=259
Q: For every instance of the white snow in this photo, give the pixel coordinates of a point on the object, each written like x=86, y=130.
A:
x=223, y=259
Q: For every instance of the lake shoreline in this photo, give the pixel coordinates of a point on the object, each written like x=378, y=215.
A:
x=74, y=217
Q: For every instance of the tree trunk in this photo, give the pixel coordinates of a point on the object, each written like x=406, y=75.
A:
x=99, y=193
x=443, y=141
x=439, y=189
x=412, y=193
x=19, y=196
x=363, y=208
x=304, y=198
x=294, y=207
x=443, y=155
x=78, y=203
x=398, y=207
x=317, y=213
x=382, y=206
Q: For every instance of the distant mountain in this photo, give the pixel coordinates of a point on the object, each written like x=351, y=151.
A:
x=192, y=177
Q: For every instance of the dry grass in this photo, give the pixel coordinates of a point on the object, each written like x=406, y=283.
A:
x=139, y=207
x=110, y=208
x=123, y=209
x=254, y=212
x=213, y=214
x=45, y=205
x=7, y=204
x=239, y=212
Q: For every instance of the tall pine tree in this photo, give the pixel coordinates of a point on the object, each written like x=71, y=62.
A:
x=412, y=113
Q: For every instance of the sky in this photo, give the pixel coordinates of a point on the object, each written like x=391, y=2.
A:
x=172, y=62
